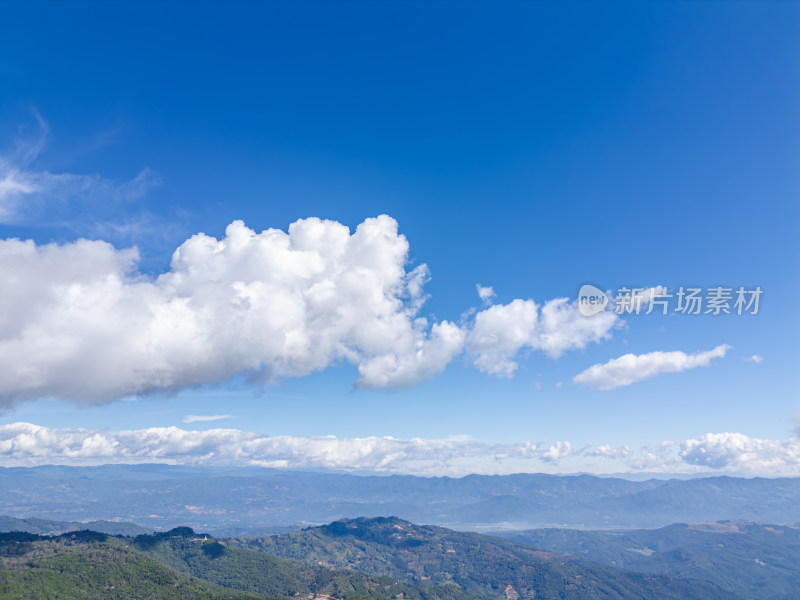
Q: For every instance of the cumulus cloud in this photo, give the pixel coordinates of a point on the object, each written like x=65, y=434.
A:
x=204, y=418
x=630, y=368
x=738, y=452
x=556, y=452
x=563, y=328
x=733, y=453
x=79, y=322
x=755, y=359
x=501, y=331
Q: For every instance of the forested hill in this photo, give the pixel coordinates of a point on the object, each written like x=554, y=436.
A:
x=90, y=566
x=385, y=559
x=485, y=566
x=179, y=565
x=206, y=558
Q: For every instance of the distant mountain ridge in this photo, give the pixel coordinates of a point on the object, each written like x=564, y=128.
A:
x=252, y=500
x=49, y=527
x=760, y=560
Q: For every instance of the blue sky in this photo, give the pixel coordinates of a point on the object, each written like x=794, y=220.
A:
x=530, y=147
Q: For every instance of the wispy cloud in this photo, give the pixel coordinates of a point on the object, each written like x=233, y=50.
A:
x=205, y=418
x=630, y=368
x=755, y=359
x=84, y=203
x=486, y=293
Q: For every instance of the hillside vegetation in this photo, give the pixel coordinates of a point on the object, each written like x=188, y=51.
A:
x=90, y=566
x=208, y=559
x=178, y=565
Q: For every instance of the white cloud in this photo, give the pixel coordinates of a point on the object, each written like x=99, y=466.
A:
x=501, y=331
x=563, y=328
x=738, y=452
x=755, y=359
x=556, y=452
x=204, y=418
x=733, y=453
x=486, y=293
x=630, y=368
x=427, y=358
x=608, y=451
x=79, y=322
x=27, y=444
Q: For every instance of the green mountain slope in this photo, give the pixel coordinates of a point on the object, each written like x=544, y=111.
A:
x=179, y=565
x=763, y=561
x=90, y=566
x=260, y=573
x=482, y=565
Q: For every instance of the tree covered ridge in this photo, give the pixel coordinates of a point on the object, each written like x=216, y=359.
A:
x=179, y=564
x=87, y=565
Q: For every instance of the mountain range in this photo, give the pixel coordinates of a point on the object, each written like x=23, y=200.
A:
x=253, y=501
x=763, y=561
x=50, y=527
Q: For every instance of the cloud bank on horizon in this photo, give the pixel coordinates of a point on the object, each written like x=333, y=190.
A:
x=25, y=444
x=79, y=322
